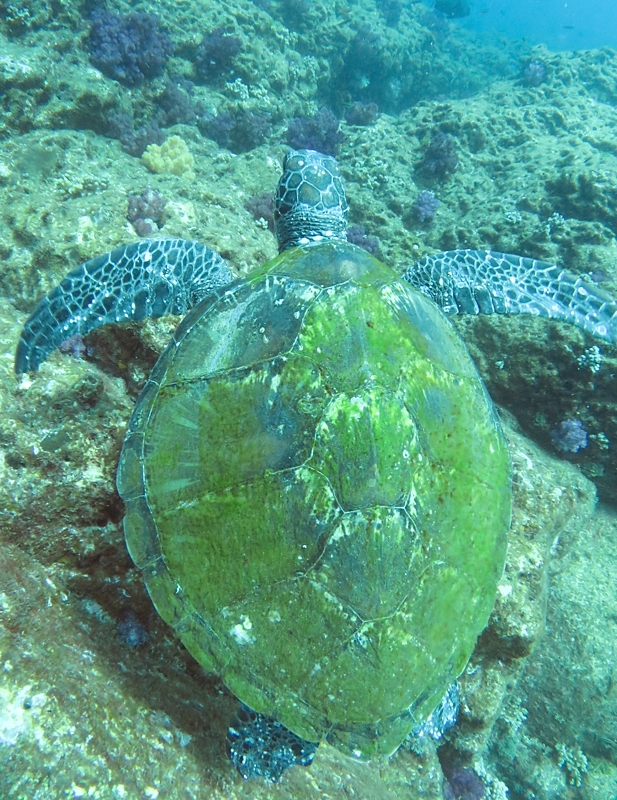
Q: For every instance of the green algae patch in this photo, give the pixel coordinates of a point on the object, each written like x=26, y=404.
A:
x=366, y=445
x=329, y=542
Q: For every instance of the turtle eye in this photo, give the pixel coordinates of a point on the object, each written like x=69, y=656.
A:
x=293, y=162
x=290, y=198
x=281, y=209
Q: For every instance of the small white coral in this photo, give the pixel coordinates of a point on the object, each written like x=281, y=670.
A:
x=495, y=789
x=575, y=762
x=17, y=711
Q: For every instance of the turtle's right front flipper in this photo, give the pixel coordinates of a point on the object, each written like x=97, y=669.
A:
x=149, y=278
x=486, y=282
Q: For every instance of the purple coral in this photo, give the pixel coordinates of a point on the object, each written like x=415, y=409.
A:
x=462, y=784
x=130, y=629
x=120, y=126
x=357, y=235
x=217, y=127
x=146, y=212
x=534, y=73
x=320, y=133
x=174, y=102
x=570, y=436
x=425, y=206
x=216, y=53
x=237, y=130
x=74, y=346
x=441, y=157
x=262, y=207
x=128, y=48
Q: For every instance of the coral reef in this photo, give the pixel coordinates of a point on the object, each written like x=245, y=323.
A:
x=74, y=346
x=128, y=48
x=130, y=629
x=75, y=696
x=574, y=761
x=365, y=67
x=560, y=727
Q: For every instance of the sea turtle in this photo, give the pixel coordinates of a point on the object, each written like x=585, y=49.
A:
x=317, y=487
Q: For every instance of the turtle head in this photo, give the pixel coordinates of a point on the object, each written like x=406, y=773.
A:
x=310, y=203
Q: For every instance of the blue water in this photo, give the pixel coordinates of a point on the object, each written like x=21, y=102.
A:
x=560, y=24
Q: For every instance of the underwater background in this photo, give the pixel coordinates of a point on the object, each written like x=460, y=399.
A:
x=456, y=125
x=559, y=24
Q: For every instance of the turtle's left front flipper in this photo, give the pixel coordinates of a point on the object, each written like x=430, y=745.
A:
x=149, y=278
x=484, y=282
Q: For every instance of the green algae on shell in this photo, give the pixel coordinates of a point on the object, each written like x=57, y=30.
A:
x=318, y=494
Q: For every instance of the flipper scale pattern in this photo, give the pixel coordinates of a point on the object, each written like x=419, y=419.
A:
x=149, y=278
x=486, y=282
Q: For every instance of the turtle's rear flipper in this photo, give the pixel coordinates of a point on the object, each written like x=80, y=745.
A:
x=261, y=747
x=149, y=278
x=484, y=282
